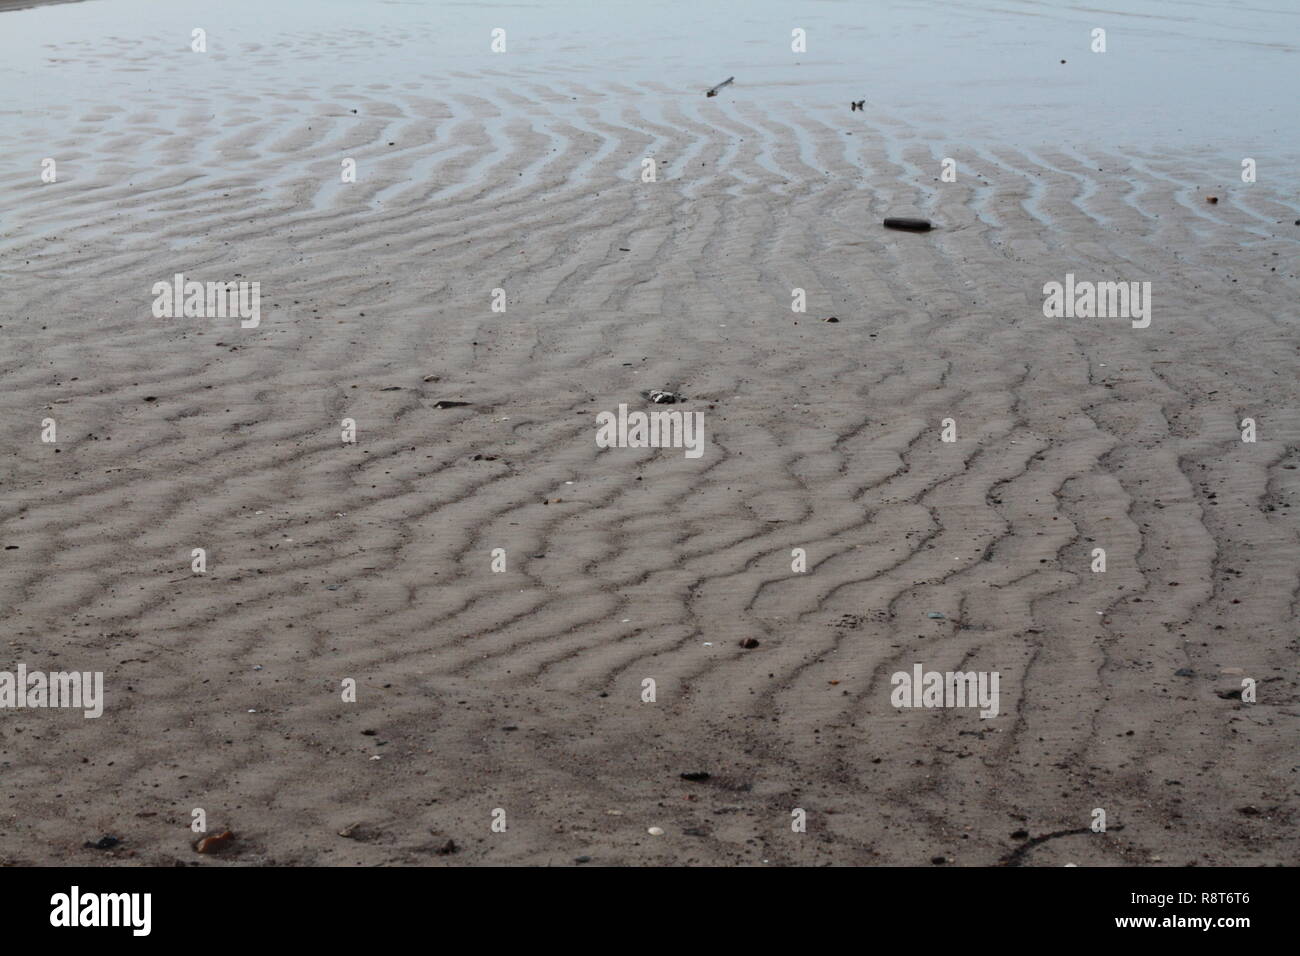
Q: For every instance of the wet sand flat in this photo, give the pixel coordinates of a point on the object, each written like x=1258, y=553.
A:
x=523, y=690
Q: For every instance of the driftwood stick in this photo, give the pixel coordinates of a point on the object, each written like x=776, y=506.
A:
x=714, y=91
x=912, y=225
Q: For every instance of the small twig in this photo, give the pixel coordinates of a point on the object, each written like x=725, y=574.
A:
x=714, y=91
x=1017, y=856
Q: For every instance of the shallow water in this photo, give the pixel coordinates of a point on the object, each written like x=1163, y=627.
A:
x=1214, y=75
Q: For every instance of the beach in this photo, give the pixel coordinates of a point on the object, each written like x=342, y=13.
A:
x=393, y=476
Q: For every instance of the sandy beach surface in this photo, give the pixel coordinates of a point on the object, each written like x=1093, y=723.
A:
x=480, y=691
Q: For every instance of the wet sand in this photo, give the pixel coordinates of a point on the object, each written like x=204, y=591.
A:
x=523, y=690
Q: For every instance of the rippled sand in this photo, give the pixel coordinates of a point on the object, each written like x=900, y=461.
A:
x=523, y=690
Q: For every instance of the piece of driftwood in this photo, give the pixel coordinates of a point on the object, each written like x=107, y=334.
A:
x=911, y=225
x=714, y=91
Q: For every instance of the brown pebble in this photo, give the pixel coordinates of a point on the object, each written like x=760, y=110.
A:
x=215, y=843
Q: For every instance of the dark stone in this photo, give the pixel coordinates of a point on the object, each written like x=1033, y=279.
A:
x=911, y=225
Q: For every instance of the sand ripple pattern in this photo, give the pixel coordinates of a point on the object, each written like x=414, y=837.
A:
x=522, y=690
